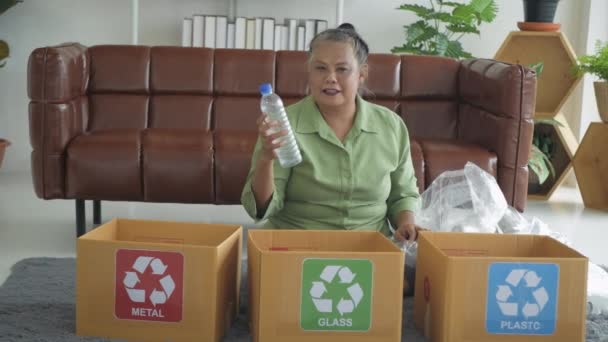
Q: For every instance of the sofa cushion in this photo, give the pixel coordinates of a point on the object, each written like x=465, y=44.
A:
x=444, y=155
x=233, y=150
x=105, y=165
x=177, y=165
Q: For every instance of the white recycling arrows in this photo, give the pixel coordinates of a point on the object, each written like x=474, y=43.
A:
x=345, y=276
x=541, y=296
x=136, y=295
x=322, y=305
x=131, y=279
x=504, y=292
x=158, y=297
x=508, y=309
x=158, y=268
x=168, y=285
x=356, y=293
x=531, y=280
x=141, y=263
x=318, y=289
x=345, y=306
x=329, y=272
x=515, y=276
x=530, y=310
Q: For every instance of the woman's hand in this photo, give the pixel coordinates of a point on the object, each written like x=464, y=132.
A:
x=271, y=134
x=406, y=232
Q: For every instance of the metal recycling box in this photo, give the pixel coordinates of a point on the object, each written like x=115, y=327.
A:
x=322, y=286
x=158, y=281
x=493, y=287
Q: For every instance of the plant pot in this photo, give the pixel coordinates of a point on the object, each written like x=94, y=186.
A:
x=3, y=145
x=540, y=10
x=601, y=97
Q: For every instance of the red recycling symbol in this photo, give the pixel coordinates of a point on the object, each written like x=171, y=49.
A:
x=149, y=285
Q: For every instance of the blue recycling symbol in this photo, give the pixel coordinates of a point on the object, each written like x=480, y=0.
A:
x=522, y=298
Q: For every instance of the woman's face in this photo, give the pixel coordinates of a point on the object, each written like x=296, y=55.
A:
x=334, y=74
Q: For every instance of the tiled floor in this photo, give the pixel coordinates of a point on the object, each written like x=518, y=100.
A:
x=33, y=227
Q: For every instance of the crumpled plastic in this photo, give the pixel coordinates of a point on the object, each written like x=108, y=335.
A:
x=470, y=200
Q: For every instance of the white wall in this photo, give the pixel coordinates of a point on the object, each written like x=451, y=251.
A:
x=597, y=30
x=36, y=23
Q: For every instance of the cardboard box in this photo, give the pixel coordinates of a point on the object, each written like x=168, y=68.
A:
x=491, y=287
x=158, y=281
x=324, y=286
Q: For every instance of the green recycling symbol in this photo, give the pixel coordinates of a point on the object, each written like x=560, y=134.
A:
x=336, y=294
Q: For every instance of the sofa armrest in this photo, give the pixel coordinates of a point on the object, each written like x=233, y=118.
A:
x=497, y=103
x=58, y=111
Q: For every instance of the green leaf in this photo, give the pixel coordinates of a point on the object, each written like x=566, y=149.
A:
x=441, y=45
x=421, y=11
x=462, y=28
x=442, y=16
x=464, y=13
x=455, y=50
x=596, y=64
x=538, y=68
x=485, y=10
x=419, y=31
x=450, y=4
x=540, y=164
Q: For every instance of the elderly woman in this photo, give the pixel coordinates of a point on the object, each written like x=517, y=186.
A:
x=356, y=171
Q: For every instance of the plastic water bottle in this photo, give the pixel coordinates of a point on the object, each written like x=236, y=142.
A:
x=271, y=104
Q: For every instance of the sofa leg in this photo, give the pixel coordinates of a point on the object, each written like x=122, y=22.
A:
x=80, y=218
x=96, y=212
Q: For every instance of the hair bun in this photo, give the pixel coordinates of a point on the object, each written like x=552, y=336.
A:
x=347, y=27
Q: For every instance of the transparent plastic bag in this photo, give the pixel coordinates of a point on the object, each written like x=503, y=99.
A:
x=467, y=200
x=470, y=200
x=410, y=249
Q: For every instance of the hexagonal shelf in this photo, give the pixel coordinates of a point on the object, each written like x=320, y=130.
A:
x=561, y=156
x=553, y=49
x=591, y=166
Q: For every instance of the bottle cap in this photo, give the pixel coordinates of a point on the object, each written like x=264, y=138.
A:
x=265, y=88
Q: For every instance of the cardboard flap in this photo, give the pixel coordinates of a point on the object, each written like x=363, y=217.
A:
x=321, y=241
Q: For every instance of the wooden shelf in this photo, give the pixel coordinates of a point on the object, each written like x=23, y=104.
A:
x=557, y=80
x=561, y=158
x=591, y=166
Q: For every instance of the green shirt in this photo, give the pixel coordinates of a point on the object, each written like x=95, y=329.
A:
x=357, y=184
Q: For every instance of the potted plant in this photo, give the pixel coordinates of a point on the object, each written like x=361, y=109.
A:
x=443, y=24
x=597, y=64
x=4, y=53
x=542, y=150
x=539, y=15
x=540, y=11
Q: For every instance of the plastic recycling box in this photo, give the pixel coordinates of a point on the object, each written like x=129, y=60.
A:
x=490, y=287
x=158, y=281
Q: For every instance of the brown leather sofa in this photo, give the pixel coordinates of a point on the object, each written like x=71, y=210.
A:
x=172, y=124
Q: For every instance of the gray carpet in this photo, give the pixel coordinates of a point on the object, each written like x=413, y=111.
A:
x=37, y=304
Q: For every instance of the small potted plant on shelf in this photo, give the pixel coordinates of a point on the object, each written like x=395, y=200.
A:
x=539, y=15
x=597, y=64
x=542, y=150
x=441, y=26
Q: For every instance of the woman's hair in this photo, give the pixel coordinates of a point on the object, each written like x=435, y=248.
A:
x=344, y=33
